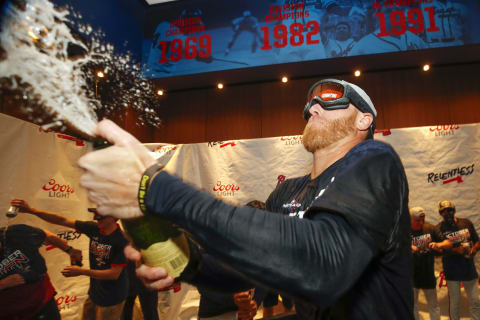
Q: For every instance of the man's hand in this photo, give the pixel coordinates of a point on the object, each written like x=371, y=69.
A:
x=435, y=246
x=22, y=205
x=12, y=280
x=75, y=256
x=415, y=249
x=247, y=308
x=154, y=278
x=112, y=175
x=72, y=271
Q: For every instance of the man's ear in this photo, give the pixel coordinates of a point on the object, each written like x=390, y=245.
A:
x=364, y=121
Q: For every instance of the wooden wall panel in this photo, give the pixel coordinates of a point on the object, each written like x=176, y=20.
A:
x=234, y=112
x=184, y=117
x=282, y=112
x=143, y=132
x=403, y=98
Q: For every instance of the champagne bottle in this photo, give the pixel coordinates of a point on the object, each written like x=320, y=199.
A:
x=160, y=242
x=163, y=244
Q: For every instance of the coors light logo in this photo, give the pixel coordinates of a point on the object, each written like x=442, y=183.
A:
x=57, y=190
x=225, y=190
x=65, y=302
x=291, y=140
x=444, y=130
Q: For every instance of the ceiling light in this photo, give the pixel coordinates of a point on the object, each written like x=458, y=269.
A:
x=357, y=73
x=426, y=67
x=220, y=85
x=284, y=79
x=160, y=92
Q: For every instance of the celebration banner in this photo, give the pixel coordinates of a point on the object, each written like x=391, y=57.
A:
x=205, y=35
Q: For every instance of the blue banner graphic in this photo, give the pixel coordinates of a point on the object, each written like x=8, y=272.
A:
x=209, y=35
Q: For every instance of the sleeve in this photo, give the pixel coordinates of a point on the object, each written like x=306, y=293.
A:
x=473, y=232
x=214, y=276
x=306, y=258
x=87, y=227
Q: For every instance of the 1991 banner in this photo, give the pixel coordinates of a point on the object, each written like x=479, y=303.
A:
x=208, y=35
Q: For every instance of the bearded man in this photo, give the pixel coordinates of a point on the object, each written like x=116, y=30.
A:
x=342, y=251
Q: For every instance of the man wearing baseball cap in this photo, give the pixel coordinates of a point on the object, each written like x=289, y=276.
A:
x=108, y=279
x=458, y=264
x=424, y=249
x=336, y=240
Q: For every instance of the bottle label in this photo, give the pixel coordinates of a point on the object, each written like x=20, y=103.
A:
x=172, y=254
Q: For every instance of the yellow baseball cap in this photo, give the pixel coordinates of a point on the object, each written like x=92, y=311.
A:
x=444, y=204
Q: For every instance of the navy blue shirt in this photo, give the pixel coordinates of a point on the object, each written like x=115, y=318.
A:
x=19, y=253
x=424, y=259
x=462, y=233
x=343, y=250
x=105, y=251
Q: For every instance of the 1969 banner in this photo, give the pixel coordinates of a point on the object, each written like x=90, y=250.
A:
x=208, y=35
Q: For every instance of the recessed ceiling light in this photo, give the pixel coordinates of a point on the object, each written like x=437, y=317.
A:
x=284, y=79
x=357, y=73
x=220, y=85
x=426, y=67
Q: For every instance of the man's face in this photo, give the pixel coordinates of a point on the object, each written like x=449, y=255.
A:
x=342, y=32
x=105, y=222
x=326, y=127
x=417, y=223
x=448, y=215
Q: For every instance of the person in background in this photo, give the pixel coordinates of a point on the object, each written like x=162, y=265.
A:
x=108, y=277
x=458, y=264
x=247, y=305
x=342, y=249
x=26, y=291
x=423, y=249
x=221, y=305
x=148, y=298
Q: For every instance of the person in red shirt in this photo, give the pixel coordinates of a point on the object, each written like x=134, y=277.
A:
x=26, y=291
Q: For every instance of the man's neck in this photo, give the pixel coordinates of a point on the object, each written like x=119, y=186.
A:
x=109, y=229
x=324, y=158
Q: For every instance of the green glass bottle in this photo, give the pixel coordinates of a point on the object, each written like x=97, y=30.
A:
x=161, y=244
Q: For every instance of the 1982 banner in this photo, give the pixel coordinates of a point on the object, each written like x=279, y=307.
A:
x=207, y=35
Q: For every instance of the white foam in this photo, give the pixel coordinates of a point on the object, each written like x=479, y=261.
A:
x=36, y=42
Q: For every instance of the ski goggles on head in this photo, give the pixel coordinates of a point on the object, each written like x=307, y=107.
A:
x=332, y=94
